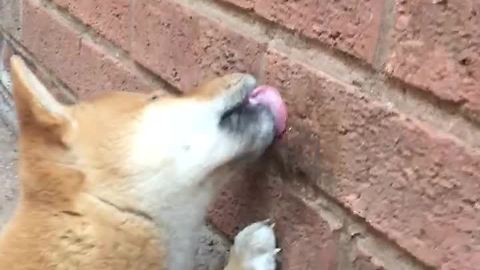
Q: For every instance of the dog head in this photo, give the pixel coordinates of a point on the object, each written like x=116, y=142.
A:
x=112, y=144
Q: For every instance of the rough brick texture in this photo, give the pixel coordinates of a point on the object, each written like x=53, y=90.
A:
x=408, y=181
x=185, y=47
x=353, y=155
x=306, y=238
x=349, y=25
x=109, y=18
x=436, y=47
x=83, y=65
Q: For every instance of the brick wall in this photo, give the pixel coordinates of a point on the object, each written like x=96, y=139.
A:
x=380, y=168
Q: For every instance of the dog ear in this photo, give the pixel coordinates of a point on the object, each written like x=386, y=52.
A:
x=36, y=107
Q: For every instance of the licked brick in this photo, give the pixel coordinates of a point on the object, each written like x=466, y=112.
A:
x=418, y=186
x=408, y=181
x=185, y=47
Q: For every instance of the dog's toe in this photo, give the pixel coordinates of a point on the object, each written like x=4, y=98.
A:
x=255, y=246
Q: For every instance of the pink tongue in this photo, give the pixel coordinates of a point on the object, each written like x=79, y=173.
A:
x=271, y=98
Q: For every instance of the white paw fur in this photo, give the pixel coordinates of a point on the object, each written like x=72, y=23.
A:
x=255, y=246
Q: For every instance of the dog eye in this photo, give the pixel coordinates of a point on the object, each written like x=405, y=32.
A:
x=154, y=97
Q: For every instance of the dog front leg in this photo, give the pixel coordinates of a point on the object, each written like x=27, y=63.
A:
x=254, y=248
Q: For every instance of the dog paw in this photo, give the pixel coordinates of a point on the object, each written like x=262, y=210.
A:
x=255, y=246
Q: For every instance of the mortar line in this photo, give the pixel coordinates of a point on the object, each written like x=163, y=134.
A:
x=279, y=33
x=357, y=227
x=409, y=100
x=43, y=71
x=384, y=38
x=212, y=228
x=370, y=82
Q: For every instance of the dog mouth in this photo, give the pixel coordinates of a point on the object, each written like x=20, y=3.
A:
x=259, y=98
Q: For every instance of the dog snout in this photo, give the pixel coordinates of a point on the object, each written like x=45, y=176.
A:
x=227, y=91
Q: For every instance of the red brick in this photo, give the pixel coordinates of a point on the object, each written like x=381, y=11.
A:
x=307, y=241
x=85, y=67
x=435, y=47
x=410, y=182
x=110, y=18
x=348, y=25
x=184, y=47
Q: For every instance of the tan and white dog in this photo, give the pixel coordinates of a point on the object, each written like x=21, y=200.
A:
x=123, y=181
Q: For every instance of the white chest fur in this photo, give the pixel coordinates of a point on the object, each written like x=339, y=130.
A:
x=181, y=212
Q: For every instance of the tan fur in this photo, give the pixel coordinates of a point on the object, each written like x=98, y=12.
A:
x=77, y=209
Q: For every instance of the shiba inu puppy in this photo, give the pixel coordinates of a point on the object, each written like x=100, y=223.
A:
x=123, y=181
